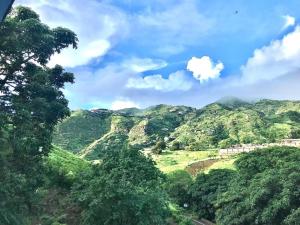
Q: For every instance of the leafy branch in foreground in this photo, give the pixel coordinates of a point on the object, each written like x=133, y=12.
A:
x=31, y=103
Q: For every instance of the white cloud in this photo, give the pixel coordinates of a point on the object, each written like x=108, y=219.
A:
x=71, y=58
x=123, y=104
x=140, y=65
x=99, y=27
x=289, y=21
x=99, y=88
x=204, y=68
x=279, y=58
x=175, y=81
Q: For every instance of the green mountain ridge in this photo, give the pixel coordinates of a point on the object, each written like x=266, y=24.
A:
x=217, y=125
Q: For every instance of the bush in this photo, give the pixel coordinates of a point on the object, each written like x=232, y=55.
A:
x=186, y=221
x=159, y=147
x=177, y=186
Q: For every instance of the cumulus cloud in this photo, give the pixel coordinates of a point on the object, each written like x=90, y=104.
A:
x=140, y=65
x=123, y=104
x=99, y=27
x=175, y=81
x=204, y=68
x=279, y=58
x=289, y=21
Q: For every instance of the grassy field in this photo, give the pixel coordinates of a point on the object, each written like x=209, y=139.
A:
x=222, y=164
x=170, y=161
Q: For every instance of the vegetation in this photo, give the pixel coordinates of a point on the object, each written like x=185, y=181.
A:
x=125, y=188
x=265, y=190
x=41, y=183
x=170, y=161
x=63, y=168
x=205, y=190
x=218, y=125
x=177, y=186
x=87, y=127
x=159, y=147
x=31, y=103
x=226, y=163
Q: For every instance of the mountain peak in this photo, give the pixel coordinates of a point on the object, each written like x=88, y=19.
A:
x=233, y=102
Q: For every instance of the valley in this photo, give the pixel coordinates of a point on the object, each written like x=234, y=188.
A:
x=180, y=134
x=231, y=162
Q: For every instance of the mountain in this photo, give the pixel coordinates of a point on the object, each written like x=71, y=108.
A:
x=221, y=124
x=233, y=102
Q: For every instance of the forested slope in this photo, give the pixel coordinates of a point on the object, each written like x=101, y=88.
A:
x=221, y=124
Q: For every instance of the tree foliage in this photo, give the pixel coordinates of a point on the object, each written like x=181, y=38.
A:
x=177, y=185
x=266, y=190
x=205, y=190
x=124, y=189
x=31, y=103
x=159, y=147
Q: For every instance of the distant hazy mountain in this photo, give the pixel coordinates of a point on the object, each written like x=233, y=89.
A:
x=227, y=122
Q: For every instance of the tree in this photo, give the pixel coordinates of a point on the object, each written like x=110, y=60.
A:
x=124, y=189
x=31, y=100
x=177, y=186
x=205, y=190
x=176, y=146
x=159, y=147
x=218, y=134
x=248, y=165
x=31, y=103
x=265, y=190
x=24, y=39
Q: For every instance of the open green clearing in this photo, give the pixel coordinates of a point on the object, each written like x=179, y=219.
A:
x=226, y=163
x=170, y=161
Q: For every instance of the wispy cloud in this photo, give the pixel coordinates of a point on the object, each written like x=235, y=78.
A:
x=140, y=65
x=177, y=81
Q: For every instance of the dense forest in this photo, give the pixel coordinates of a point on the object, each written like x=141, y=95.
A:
x=47, y=176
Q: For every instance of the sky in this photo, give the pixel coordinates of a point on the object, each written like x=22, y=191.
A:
x=181, y=52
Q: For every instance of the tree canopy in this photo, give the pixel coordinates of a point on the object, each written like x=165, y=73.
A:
x=205, y=190
x=265, y=191
x=125, y=188
x=31, y=103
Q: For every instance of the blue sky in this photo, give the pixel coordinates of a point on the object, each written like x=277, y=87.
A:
x=189, y=52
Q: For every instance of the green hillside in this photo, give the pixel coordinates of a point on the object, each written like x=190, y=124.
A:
x=66, y=163
x=224, y=123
